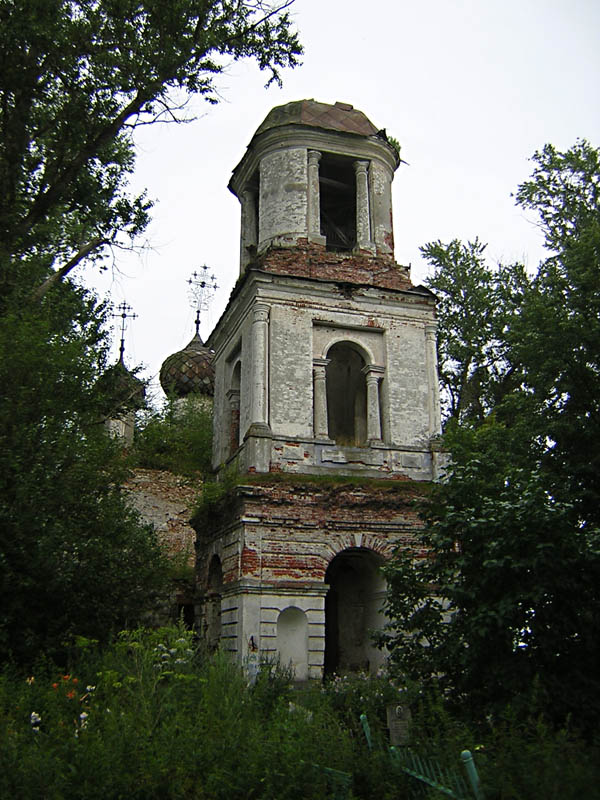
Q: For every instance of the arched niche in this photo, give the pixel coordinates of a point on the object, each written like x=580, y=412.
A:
x=346, y=394
x=233, y=395
x=292, y=641
x=353, y=609
x=213, y=603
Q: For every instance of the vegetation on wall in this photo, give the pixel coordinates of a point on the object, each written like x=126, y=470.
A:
x=514, y=530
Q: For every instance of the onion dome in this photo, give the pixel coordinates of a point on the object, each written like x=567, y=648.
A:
x=123, y=391
x=189, y=371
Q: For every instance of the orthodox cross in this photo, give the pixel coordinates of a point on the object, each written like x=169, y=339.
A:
x=202, y=289
x=125, y=313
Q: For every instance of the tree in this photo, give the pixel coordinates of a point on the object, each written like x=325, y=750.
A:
x=508, y=593
x=78, y=77
x=74, y=559
x=476, y=304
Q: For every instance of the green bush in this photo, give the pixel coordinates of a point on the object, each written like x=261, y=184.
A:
x=152, y=717
x=177, y=438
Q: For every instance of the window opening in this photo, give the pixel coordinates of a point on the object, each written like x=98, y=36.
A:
x=346, y=395
x=337, y=198
x=234, y=409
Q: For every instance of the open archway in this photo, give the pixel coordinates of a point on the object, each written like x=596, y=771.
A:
x=346, y=395
x=353, y=609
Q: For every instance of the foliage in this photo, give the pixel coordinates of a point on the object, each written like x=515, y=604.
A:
x=73, y=557
x=518, y=755
x=508, y=592
x=163, y=721
x=177, y=438
x=78, y=77
x=476, y=304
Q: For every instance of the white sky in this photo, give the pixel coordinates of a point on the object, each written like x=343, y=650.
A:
x=470, y=88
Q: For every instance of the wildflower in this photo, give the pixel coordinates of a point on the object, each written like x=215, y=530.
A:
x=55, y=686
x=90, y=688
x=66, y=677
x=75, y=681
x=35, y=719
x=172, y=651
x=71, y=694
x=30, y=680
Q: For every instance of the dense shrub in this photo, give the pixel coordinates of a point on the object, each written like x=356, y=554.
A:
x=178, y=438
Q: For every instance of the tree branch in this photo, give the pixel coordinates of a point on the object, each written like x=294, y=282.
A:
x=57, y=276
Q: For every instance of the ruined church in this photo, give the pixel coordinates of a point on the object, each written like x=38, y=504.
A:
x=326, y=405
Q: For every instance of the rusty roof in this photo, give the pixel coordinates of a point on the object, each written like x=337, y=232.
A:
x=339, y=117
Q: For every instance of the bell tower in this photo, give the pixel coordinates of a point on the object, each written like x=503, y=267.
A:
x=325, y=357
x=325, y=365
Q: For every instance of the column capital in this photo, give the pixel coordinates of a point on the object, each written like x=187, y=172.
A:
x=373, y=371
x=314, y=156
x=321, y=362
x=233, y=395
x=430, y=330
x=261, y=312
x=361, y=167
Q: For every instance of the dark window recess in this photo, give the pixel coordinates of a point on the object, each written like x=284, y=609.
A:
x=185, y=611
x=346, y=395
x=337, y=188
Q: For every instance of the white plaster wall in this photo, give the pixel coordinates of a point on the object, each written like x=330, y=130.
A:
x=283, y=194
x=406, y=383
x=291, y=371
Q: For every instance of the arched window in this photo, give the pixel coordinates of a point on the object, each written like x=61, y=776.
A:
x=346, y=395
x=233, y=396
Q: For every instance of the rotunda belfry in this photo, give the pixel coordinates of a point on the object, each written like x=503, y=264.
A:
x=320, y=174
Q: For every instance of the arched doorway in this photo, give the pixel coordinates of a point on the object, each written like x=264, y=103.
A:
x=353, y=609
x=346, y=395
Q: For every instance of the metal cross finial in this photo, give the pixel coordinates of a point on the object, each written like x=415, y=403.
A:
x=125, y=312
x=202, y=289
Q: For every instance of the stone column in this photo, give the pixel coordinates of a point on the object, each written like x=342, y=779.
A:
x=321, y=423
x=313, y=206
x=249, y=228
x=380, y=179
x=259, y=380
x=373, y=376
x=363, y=213
x=433, y=387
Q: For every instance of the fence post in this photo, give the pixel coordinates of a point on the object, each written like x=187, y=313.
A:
x=472, y=775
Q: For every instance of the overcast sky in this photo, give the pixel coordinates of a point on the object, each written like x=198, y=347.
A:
x=470, y=89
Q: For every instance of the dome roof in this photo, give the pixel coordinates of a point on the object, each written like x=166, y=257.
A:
x=339, y=117
x=189, y=371
x=123, y=390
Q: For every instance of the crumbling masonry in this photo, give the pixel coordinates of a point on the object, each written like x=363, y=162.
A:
x=325, y=366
